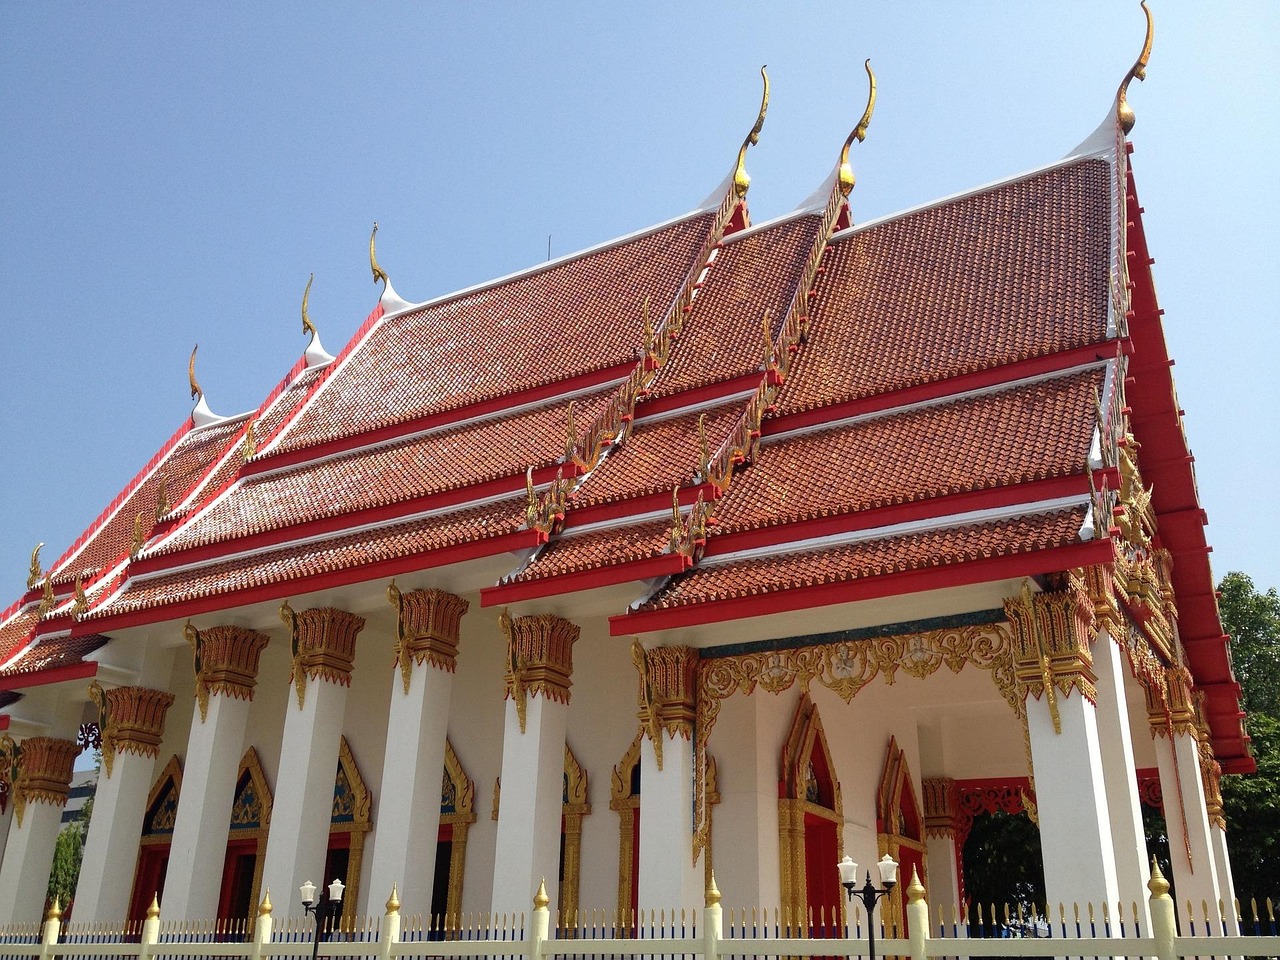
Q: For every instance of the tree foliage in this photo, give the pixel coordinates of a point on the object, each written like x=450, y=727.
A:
x=1252, y=801
x=68, y=852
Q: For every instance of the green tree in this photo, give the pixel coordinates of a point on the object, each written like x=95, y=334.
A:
x=1251, y=801
x=68, y=852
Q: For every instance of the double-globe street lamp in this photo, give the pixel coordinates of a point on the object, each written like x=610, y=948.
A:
x=869, y=894
x=328, y=910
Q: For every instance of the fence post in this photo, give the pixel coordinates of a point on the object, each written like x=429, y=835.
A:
x=262, y=927
x=1164, y=926
x=918, y=917
x=52, y=928
x=389, y=935
x=541, y=925
x=150, y=929
x=712, y=921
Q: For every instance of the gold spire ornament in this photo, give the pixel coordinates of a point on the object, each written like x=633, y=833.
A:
x=741, y=180
x=139, y=536
x=34, y=573
x=81, y=603
x=196, y=391
x=859, y=133
x=47, y=598
x=1124, y=113
x=307, y=325
x=378, y=272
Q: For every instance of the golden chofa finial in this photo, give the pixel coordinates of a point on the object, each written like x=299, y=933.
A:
x=859, y=133
x=741, y=181
x=378, y=272
x=1124, y=113
x=191, y=374
x=307, y=325
x=34, y=573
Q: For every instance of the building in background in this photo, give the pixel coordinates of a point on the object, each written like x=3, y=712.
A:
x=721, y=545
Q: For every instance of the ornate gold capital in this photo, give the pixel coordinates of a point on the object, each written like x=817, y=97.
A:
x=131, y=720
x=1171, y=704
x=428, y=623
x=39, y=771
x=225, y=660
x=667, y=696
x=939, y=806
x=539, y=658
x=1051, y=634
x=323, y=644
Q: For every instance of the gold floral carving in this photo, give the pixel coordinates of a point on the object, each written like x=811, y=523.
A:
x=894, y=836
x=939, y=807
x=457, y=794
x=1210, y=769
x=428, y=623
x=131, y=720
x=225, y=660
x=351, y=798
x=323, y=645
x=626, y=803
x=845, y=668
x=668, y=688
x=539, y=658
x=158, y=824
x=575, y=806
x=1051, y=636
x=48, y=600
x=39, y=770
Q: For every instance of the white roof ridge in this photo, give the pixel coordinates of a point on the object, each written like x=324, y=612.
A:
x=1104, y=153
x=767, y=225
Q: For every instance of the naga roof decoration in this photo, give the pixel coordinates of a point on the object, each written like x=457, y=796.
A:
x=722, y=420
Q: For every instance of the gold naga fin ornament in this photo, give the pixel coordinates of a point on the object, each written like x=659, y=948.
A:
x=741, y=179
x=1124, y=113
x=307, y=325
x=378, y=272
x=859, y=133
x=34, y=573
x=196, y=391
x=81, y=603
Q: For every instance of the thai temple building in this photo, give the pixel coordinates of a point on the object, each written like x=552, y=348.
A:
x=724, y=546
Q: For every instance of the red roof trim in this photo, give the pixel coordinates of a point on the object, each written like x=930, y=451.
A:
x=707, y=393
x=84, y=670
x=868, y=588
x=393, y=566
x=661, y=565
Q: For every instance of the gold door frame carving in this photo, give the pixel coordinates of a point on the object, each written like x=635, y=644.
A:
x=457, y=791
x=576, y=806
x=895, y=782
x=627, y=804
x=357, y=803
x=797, y=799
x=251, y=765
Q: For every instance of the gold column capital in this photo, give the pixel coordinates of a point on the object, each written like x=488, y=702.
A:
x=539, y=658
x=323, y=645
x=131, y=720
x=939, y=800
x=1051, y=636
x=428, y=625
x=225, y=659
x=668, y=692
x=38, y=770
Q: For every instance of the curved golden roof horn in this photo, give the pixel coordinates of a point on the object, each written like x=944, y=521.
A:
x=741, y=180
x=191, y=374
x=378, y=272
x=35, y=573
x=1124, y=113
x=859, y=132
x=307, y=325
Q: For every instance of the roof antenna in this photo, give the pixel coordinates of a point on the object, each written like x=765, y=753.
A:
x=548, y=246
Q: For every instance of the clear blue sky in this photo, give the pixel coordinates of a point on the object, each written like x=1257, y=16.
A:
x=173, y=172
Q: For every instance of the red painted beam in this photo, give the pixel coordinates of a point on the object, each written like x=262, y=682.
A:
x=85, y=670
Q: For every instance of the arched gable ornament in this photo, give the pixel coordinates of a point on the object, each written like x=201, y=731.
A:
x=162, y=803
x=251, y=808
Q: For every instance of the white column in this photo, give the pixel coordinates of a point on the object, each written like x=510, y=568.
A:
x=324, y=641
x=6, y=818
x=228, y=668
x=1121, y=777
x=1226, y=883
x=1195, y=873
x=408, y=821
x=540, y=667
x=44, y=780
x=669, y=877
x=132, y=727
x=528, y=842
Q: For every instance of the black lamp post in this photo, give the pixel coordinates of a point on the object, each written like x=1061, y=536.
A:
x=328, y=910
x=869, y=894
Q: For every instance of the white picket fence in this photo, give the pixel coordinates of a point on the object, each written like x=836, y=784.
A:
x=746, y=934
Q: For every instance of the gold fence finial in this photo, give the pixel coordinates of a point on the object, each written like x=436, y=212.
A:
x=33, y=572
x=307, y=325
x=378, y=272
x=393, y=901
x=55, y=910
x=153, y=911
x=264, y=908
x=1158, y=885
x=196, y=391
x=741, y=179
x=846, y=178
x=1124, y=113
x=915, y=890
x=713, y=892
x=540, y=899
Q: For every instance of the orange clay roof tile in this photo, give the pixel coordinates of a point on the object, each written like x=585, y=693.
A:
x=443, y=460
x=538, y=328
x=599, y=548
x=53, y=652
x=838, y=564
x=722, y=338
x=1013, y=272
